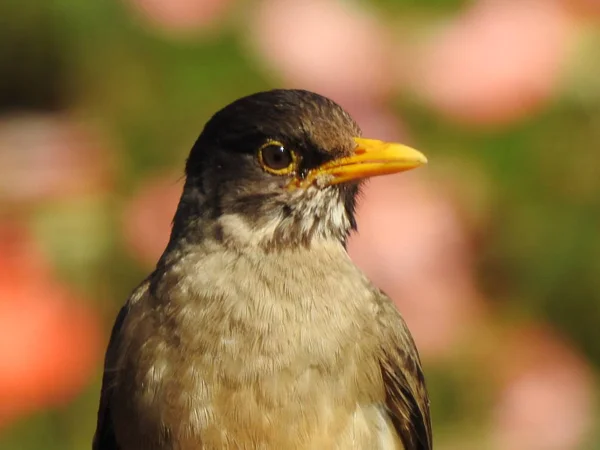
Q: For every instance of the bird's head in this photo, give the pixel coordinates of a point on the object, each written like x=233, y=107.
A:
x=281, y=168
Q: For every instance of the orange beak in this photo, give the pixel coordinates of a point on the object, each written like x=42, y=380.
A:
x=370, y=158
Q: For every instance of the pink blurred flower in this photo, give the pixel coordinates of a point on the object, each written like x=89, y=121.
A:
x=147, y=218
x=498, y=62
x=45, y=157
x=328, y=46
x=50, y=342
x=547, y=399
x=412, y=244
x=182, y=16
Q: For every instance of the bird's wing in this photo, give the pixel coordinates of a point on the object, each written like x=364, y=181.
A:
x=406, y=399
x=104, y=438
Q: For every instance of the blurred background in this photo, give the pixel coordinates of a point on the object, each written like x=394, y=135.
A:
x=492, y=251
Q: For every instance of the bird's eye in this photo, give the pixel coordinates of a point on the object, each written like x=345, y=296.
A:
x=276, y=159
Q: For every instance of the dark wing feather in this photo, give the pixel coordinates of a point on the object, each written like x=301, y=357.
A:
x=406, y=398
x=104, y=438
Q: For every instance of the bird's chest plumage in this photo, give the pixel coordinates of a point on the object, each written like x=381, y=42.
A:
x=244, y=354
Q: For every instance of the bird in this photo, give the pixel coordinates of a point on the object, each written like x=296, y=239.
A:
x=256, y=330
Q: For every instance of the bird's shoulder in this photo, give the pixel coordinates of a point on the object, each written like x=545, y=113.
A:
x=406, y=398
x=104, y=437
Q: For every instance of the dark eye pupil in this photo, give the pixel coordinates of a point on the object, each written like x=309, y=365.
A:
x=276, y=157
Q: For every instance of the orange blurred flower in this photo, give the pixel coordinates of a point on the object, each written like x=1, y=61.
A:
x=584, y=9
x=50, y=342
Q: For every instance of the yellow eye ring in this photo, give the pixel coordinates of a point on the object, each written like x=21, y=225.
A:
x=275, y=158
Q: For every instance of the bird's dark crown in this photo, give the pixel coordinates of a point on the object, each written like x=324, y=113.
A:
x=227, y=184
x=313, y=125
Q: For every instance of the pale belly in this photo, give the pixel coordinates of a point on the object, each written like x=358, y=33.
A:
x=214, y=407
x=306, y=413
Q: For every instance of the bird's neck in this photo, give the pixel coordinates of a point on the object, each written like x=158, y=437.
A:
x=315, y=218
